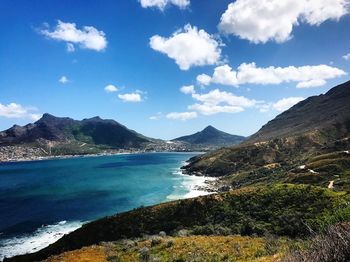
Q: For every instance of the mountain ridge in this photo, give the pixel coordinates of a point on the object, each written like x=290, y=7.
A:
x=211, y=136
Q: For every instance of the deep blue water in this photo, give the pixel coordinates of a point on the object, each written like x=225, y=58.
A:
x=60, y=194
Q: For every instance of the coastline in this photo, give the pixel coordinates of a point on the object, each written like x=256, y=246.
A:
x=192, y=186
x=185, y=186
x=43, y=158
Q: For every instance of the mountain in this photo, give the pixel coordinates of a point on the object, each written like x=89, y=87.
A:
x=73, y=134
x=211, y=137
x=328, y=111
x=318, y=125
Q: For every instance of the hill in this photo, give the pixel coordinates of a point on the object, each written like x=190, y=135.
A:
x=212, y=138
x=289, y=210
x=62, y=133
x=317, y=126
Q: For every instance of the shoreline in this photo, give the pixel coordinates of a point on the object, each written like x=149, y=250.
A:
x=58, y=157
x=194, y=185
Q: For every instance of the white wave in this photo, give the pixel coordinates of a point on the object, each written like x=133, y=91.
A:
x=40, y=239
x=189, y=186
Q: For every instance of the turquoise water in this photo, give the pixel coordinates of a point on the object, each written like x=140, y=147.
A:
x=42, y=200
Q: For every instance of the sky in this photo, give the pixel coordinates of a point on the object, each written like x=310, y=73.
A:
x=168, y=68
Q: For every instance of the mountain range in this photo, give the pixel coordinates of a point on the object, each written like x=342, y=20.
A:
x=57, y=136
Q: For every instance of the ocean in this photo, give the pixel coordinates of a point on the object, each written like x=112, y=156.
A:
x=40, y=201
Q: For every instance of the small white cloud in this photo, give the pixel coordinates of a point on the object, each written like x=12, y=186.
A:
x=188, y=47
x=158, y=116
x=131, y=97
x=161, y=4
x=35, y=117
x=203, y=80
x=346, y=57
x=14, y=110
x=187, y=89
x=183, y=116
x=88, y=37
x=312, y=83
x=264, y=107
x=111, y=88
x=260, y=21
x=70, y=48
x=305, y=76
x=286, y=103
x=63, y=80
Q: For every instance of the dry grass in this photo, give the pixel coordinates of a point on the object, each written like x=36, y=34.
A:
x=195, y=248
x=86, y=254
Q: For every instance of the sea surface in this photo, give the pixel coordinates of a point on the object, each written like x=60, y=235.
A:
x=42, y=200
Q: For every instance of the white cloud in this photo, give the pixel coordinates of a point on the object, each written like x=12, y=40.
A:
x=225, y=76
x=63, y=80
x=111, y=88
x=131, y=97
x=217, y=101
x=249, y=73
x=305, y=76
x=158, y=116
x=260, y=21
x=88, y=37
x=14, y=110
x=161, y=4
x=203, y=79
x=188, y=47
x=286, y=103
x=70, y=48
x=312, y=83
x=35, y=117
x=346, y=57
x=183, y=116
x=187, y=89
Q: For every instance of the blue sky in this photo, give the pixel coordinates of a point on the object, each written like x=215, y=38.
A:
x=267, y=56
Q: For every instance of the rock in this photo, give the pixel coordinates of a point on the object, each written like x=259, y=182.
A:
x=162, y=234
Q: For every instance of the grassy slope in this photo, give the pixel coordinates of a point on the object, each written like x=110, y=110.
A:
x=285, y=210
x=188, y=248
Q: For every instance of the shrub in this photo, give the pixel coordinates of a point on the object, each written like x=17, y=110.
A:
x=333, y=245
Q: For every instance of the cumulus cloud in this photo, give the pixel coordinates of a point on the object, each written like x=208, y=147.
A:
x=260, y=21
x=188, y=47
x=88, y=37
x=183, y=116
x=225, y=76
x=305, y=76
x=217, y=101
x=158, y=116
x=14, y=110
x=187, y=89
x=111, y=88
x=286, y=103
x=63, y=80
x=311, y=83
x=161, y=4
x=203, y=79
x=346, y=57
x=131, y=97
